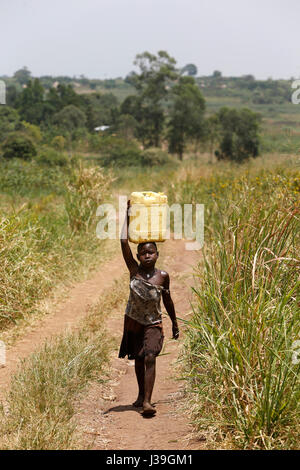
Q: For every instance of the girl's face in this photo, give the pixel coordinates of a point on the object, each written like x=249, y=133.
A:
x=148, y=255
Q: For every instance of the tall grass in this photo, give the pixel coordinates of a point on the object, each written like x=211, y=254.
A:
x=40, y=404
x=238, y=356
x=49, y=235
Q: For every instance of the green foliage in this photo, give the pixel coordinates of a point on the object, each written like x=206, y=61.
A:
x=156, y=157
x=189, y=69
x=28, y=179
x=100, y=109
x=186, y=115
x=152, y=85
x=22, y=75
x=37, y=248
x=126, y=126
x=69, y=119
x=32, y=131
x=30, y=102
x=239, y=134
x=87, y=188
x=244, y=385
x=9, y=121
x=51, y=157
x=122, y=153
x=18, y=145
x=11, y=95
x=58, y=142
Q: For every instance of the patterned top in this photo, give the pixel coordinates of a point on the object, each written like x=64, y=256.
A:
x=144, y=302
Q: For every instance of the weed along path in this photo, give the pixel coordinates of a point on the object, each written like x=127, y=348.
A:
x=66, y=316
x=108, y=420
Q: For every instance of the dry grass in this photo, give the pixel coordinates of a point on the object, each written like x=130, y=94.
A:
x=38, y=411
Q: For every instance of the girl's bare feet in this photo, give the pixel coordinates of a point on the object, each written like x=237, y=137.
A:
x=148, y=409
x=138, y=402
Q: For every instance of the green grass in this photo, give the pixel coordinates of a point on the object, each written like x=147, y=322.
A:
x=238, y=358
x=47, y=232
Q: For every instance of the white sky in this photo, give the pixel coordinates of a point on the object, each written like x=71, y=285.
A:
x=100, y=38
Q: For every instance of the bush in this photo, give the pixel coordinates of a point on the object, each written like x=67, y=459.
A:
x=52, y=157
x=239, y=134
x=58, y=142
x=18, y=145
x=87, y=188
x=9, y=121
x=124, y=157
x=32, y=131
x=119, y=152
x=156, y=156
x=122, y=153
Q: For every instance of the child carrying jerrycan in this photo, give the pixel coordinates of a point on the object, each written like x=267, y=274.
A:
x=143, y=335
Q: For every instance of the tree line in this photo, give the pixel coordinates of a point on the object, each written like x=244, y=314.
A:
x=167, y=108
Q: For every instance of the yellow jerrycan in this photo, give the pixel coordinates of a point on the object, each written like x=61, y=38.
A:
x=148, y=217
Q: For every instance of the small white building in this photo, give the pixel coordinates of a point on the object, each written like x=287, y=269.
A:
x=101, y=128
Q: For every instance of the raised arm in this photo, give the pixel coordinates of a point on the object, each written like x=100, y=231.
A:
x=131, y=263
x=169, y=305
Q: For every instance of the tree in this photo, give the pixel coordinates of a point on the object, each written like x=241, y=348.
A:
x=30, y=102
x=217, y=74
x=11, y=95
x=9, y=121
x=70, y=119
x=152, y=84
x=212, y=132
x=186, y=115
x=239, y=134
x=100, y=109
x=189, y=69
x=126, y=126
x=22, y=75
x=18, y=145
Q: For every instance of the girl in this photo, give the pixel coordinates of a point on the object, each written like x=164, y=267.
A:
x=143, y=333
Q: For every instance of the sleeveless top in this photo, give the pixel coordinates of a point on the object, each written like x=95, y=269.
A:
x=144, y=301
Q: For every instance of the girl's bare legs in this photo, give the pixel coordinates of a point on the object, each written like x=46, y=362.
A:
x=140, y=376
x=150, y=361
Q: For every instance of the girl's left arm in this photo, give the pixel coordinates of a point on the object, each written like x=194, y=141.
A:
x=169, y=305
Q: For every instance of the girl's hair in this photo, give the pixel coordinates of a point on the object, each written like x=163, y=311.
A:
x=140, y=245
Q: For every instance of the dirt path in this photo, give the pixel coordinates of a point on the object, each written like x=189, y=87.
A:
x=113, y=423
x=110, y=422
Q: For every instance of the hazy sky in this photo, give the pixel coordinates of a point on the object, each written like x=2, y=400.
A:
x=100, y=38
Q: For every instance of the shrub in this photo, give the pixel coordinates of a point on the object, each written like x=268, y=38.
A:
x=9, y=121
x=32, y=131
x=87, y=188
x=239, y=134
x=124, y=157
x=156, y=156
x=52, y=157
x=119, y=152
x=18, y=145
x=58, y=142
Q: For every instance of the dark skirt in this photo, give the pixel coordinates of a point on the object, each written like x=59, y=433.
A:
x=140, y=340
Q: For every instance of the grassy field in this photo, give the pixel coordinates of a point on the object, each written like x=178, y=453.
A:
x=242, y=386
x=47, y=234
